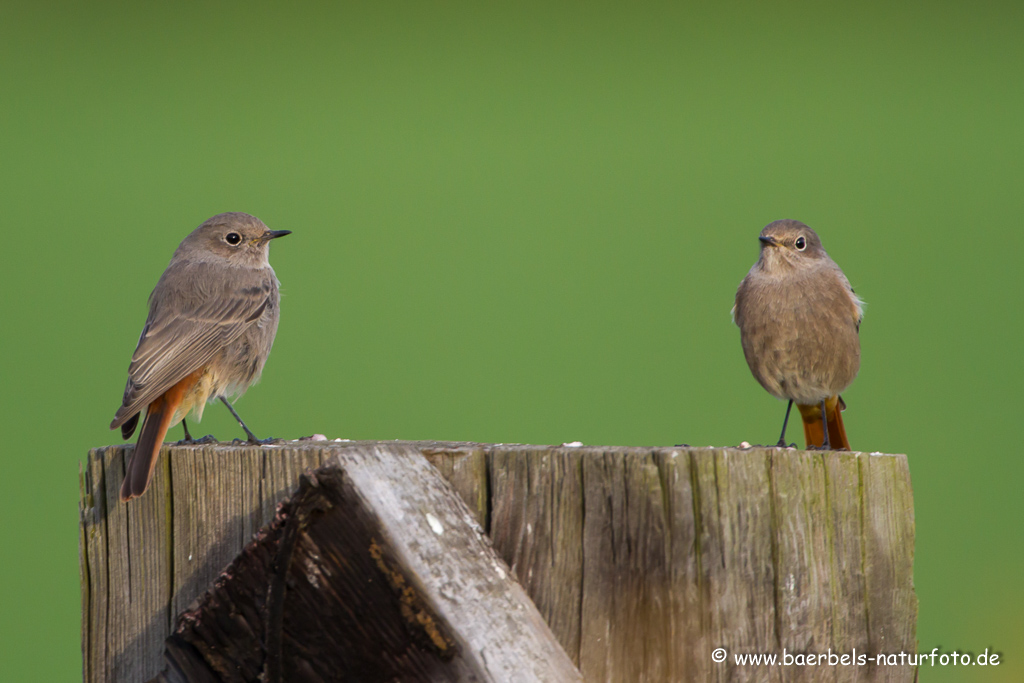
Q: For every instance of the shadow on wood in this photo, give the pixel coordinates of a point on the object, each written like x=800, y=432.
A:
x=642, y=561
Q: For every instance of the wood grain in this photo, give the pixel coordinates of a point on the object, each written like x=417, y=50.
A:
x=375, y=570
x=641, y=560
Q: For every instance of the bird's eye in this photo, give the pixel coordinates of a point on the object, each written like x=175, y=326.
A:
x=232, y=238
x=801, y=243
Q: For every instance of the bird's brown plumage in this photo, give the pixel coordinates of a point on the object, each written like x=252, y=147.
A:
x=212, y=320
x=799, y=321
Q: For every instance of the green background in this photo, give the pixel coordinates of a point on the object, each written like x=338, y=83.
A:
x=522, y=225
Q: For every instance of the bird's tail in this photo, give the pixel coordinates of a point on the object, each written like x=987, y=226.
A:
x=159, y=418
x=814, y=433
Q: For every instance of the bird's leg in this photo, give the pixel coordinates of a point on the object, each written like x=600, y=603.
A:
x=252, y=437
x=782, y=439
x=189, y=441
x=825, y=446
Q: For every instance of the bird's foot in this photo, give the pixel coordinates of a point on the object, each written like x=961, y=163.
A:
x=257, y=442
x=209, y=438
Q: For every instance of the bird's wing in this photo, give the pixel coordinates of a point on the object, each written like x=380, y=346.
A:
x=180, y=336
x=856, y=304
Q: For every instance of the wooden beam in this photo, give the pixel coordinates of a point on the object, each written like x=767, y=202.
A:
x=374, y=570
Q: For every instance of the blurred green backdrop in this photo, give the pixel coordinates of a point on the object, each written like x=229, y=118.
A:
x=522, y=225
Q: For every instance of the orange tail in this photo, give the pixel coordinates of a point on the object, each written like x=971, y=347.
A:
x=814, y=433
x=154, y=428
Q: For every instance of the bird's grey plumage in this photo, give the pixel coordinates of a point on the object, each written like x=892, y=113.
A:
x=799, y=317
x=215, y=305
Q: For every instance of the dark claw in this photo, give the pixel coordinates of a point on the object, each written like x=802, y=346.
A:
x=256, y=442
x=209, y=438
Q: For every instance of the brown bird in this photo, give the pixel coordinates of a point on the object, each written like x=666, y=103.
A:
x=799, y=322
x=212, y=320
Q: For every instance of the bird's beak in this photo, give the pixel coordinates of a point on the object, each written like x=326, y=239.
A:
x=768, y=240
x=273, y=234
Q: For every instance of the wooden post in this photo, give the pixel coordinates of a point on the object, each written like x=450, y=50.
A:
x=642, y=561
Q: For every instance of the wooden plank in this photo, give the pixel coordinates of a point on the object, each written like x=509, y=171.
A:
x=689, y=615
x=803, y=559
x=888, y=540
x=95, y=568
x=137, y=592
x=849, y=609
x=737, y=558
x=624, y=610
x=537, y=526
x=281, y=468
x=465, y=469
x=216, y=506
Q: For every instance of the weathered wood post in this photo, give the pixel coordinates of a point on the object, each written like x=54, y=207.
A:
x=642, y=561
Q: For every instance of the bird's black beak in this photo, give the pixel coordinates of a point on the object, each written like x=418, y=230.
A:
x=274, y=234
x=768, y=240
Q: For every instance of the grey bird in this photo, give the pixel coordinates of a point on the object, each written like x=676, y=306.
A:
x=799, y=322
x=212, y=319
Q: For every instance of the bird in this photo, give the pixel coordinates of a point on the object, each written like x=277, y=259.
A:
x=213, y=316
x=799, y=322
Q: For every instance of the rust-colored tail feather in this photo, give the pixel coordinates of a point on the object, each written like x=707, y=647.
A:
x=143, y=460
x=159, y=415
x=814, y=434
